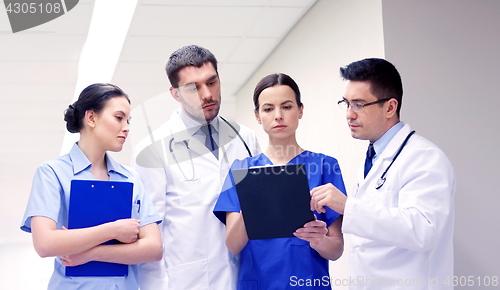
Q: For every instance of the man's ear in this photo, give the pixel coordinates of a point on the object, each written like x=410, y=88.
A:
x=175, y=94
x=391, y=108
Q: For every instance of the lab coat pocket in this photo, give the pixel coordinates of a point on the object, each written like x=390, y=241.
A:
x=192, y=275
x=387, y=198
x=190, y=192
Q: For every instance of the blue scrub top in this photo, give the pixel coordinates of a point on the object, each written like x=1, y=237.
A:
x=283, y=263
x=50, y=198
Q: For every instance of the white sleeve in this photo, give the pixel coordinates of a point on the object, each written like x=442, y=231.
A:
x=149, y=164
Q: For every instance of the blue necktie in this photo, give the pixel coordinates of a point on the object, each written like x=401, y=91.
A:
x=369, y=156
x=209, y=141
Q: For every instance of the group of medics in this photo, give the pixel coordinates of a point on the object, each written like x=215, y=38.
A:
x=400, y=213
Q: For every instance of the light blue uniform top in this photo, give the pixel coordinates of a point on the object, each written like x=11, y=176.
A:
x=50, y=198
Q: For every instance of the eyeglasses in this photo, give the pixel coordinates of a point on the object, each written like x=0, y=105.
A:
x=357, y=106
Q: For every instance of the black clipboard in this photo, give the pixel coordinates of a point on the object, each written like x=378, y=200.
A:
x=92, y=203
x=274, y=200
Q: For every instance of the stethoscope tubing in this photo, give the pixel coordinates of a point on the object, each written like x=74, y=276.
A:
x=189, y=151
x=381, y=180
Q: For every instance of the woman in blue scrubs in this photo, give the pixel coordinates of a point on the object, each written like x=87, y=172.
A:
x=284, y=263
x=101, y=116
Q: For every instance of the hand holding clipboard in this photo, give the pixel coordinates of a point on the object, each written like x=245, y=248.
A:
x=93, y=203
x=274, y=200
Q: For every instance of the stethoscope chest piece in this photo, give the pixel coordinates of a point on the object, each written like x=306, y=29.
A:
x=380, y=182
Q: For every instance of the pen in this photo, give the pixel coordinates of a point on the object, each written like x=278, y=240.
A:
x=139, y=204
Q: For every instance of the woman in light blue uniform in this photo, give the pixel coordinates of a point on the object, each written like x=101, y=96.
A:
x=101, y=116
x=284, y=263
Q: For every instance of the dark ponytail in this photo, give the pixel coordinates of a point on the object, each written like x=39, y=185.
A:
x=93, y=98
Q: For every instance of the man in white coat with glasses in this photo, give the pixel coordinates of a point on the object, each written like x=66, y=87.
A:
x=182, y=165
x=401, y=212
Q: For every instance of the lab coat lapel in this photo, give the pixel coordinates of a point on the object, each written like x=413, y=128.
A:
x=381, y=163
x=178, y=129
x=200, y=149
x=226, y=135
x=180, y=133
x=386, y=157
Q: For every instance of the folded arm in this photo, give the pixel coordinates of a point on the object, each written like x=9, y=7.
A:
x=147, y=248
x=49, y=241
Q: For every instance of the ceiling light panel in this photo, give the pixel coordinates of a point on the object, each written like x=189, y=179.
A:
x=193, y=21
x=253, y=49
x=49, y=47
x=154, y=48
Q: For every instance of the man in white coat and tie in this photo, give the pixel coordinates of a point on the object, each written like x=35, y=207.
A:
x=401, y=212
x=182, y=165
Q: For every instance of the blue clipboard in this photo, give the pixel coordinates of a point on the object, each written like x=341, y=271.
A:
x=92, y=203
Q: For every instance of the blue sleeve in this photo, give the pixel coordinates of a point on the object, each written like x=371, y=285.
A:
x=45, y=197
x=228, y=199
x=331, y=174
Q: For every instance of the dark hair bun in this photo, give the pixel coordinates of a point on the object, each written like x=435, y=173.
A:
x=71, y=119
x=92, y=98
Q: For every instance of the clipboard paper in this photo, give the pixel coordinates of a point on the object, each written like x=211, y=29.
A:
x=274, y=200
x=92, y=203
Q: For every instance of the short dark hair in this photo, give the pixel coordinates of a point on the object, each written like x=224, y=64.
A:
x=382, y=75
x=94, y=98
x=191, y=55
x=272, y=80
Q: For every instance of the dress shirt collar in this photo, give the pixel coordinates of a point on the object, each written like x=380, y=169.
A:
x=383, y=141
x=81, y=162
x=193, y=126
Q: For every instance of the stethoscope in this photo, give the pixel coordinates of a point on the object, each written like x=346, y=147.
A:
x=189, y=151
x=381, y=180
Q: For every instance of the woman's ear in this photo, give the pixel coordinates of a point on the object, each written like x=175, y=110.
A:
x=257, y=117
x=301, y=111
x=90, y=118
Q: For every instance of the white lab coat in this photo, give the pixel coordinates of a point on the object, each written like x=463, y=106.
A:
x=195, y=255
x=402, y=233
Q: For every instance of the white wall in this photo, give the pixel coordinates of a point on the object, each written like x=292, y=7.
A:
x=447, y=54
x=312, y=54
x=332, y=34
